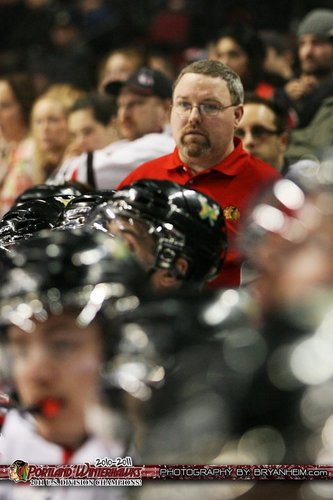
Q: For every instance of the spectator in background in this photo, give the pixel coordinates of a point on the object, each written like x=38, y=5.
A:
x=143, y=103
x=50, y=127
x=280, y=56
x=68, y=59
x=207, y=108
x=143, y=120
x=28, y=23
x=170, y=28
x=263, y=130
x=92, y=123
x=103, y=24
x=244, y=51
x=314, y=83
x=17, y=95
x=311, y=95
x=159, y=60
x=119, y=65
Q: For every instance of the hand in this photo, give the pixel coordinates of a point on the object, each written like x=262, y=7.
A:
x=297, y=88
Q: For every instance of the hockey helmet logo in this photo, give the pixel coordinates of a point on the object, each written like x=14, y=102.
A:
x=208, y=211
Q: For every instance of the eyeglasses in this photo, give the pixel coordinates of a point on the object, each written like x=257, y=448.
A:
x=257, y=132
x=184, y=108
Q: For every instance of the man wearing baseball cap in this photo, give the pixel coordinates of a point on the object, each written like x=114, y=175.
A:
x=143, y=102
x=143, y=116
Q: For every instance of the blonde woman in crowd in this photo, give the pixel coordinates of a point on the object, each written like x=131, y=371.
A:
x=50, y=127
x=17, y=95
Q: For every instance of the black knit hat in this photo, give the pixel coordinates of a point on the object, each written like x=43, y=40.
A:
x=317, y=22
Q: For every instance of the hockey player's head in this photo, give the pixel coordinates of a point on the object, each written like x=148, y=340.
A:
x=178, y=233
x=59, y=292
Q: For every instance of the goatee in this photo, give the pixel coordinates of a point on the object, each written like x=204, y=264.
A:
x=194, y=148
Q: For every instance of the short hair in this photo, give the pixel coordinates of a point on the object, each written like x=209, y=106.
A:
x=216, y=69
x=103, y=106
x=280, y=112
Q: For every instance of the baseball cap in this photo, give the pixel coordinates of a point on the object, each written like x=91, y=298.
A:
x=317, y=22
x=146, y=82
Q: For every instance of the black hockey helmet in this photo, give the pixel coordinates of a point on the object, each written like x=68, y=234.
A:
x=80, y=269
x=170, y=364
x=183, y=222
x=62, y=192
x=78, y=209
x=27, y=218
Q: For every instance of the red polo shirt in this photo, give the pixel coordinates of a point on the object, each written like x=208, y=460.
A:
x=232, y=183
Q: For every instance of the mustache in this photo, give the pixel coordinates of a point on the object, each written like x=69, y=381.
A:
x=193, y=130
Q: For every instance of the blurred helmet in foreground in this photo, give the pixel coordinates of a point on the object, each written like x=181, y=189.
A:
x=170, y=366
x=288, y=239
x=58, y=269
x=27, y=218
x=77, y=211
x=62, y=192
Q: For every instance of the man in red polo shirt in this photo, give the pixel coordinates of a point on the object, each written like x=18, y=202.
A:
x=206, y=110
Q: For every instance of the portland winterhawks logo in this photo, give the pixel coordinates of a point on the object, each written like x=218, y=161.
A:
x=19, y=471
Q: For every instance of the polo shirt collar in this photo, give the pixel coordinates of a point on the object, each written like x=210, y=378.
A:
x=232, y=165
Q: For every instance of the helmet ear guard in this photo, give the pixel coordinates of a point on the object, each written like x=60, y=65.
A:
x=166, y=257
x=170, y=248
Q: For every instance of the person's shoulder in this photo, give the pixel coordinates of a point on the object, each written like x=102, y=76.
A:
x=163, y=161
x=156, y=141
x=261, y=168
x=153, y=169
x=27, y=146
x=106, y=155
x=114, y=146
x=12, y=420
x=28, y=445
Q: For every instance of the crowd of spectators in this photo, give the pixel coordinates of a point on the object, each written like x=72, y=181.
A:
x=58, y=40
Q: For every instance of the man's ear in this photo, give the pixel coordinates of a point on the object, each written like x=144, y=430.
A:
x=284, y=139
x=238, y=113
x=181, y=266
x=166, y=107
x=164, y=279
